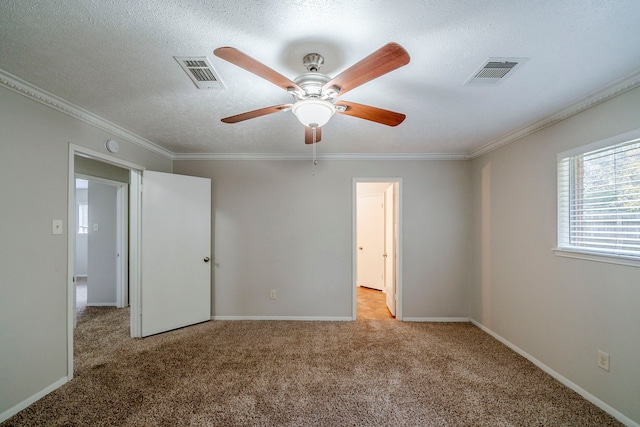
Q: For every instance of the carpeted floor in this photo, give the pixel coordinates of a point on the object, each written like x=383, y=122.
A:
x=278, y=373
x=81, y=295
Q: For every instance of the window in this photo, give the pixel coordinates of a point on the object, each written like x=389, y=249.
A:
x=599, y=199
x=83, y=218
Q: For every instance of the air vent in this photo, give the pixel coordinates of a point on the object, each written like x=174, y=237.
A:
x=495, y=70
x=200, y=71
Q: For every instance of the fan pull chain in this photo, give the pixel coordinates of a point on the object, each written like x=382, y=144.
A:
x=315, y=162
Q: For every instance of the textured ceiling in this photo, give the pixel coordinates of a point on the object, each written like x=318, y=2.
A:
x=115, y=59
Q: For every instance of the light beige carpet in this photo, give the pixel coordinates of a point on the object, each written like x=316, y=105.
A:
x=277, y=373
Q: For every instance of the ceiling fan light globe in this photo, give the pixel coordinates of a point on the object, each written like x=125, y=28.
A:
x=316, y=112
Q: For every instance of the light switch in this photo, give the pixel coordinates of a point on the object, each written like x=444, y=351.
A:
x=56, y=226
x=95, y=227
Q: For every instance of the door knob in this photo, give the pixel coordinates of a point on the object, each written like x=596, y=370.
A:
x=206, y=259
x=360, y=248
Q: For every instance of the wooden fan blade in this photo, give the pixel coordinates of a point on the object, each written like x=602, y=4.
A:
x=308, y=135
x=378, y=115
x=256, y=113
x=243, y=60
x=388, y=58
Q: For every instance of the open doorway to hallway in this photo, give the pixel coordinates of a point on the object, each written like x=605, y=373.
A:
x=372, y=304
x=125, y=176
x=376, y=248
x=101, y=267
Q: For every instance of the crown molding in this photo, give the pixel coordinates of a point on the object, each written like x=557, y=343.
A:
x=609, y=92
x=28, y=90
x=328, y=156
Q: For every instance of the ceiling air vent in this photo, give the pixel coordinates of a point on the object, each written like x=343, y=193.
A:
x=495, y=70
x=200, y=71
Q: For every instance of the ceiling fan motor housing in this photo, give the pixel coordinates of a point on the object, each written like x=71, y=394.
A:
x=312, y=84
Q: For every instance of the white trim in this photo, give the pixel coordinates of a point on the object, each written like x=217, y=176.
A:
x=135, y=230
x=101, y=180
x=24, y=88
x=565, y=381
x=88, y=152
x=326, y=156
x=103, y=304
x=437, y=319
x=609, y=92
x=599, y=257
x=293, y=318
x=71, y=258
x=32, y=399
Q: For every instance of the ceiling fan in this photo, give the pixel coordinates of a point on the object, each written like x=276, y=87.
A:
x=315, y=93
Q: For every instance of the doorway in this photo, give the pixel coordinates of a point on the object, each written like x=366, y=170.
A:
x=376, y=252
x=127, y=219
x=101, y=227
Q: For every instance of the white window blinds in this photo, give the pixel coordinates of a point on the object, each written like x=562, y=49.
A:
x=599, y=200
x=83, y=218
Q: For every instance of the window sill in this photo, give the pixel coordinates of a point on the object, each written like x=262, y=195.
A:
x=599, y=257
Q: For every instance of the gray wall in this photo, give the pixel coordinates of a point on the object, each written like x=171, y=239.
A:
x=34, y=152
x=81, y=239
x=95, y=168
x=558, y=310
x=278, y=227
x=102, y=244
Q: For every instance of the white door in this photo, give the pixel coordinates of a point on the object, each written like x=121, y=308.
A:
x=175, y=284
x=370, y=241
x=389, y=252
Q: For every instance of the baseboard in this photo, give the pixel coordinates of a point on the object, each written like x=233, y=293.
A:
x=338, y=319
x=102, y=304
x=295, y=318
x=565, y=381
x=436, y=319
x=31, y=400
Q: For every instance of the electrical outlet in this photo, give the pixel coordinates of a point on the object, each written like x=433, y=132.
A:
x=272, y=294
x=603, y=360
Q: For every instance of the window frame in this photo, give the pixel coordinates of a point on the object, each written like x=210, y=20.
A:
x=563, y=201
x=82, y=229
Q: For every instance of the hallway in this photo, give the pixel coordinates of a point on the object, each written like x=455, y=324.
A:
x=372, y=304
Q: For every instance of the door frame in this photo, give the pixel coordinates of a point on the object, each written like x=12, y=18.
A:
x=135, y=173
x=390, y=234
x=397, y=183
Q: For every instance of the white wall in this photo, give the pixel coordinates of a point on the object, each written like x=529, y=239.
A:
x=558, y=310
x=368, y=188
x=102, y=244
x=275, y=226
x=34, y=157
